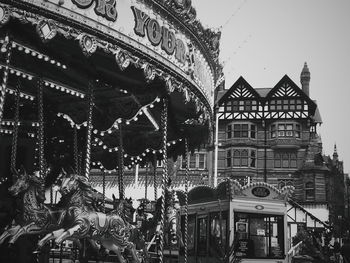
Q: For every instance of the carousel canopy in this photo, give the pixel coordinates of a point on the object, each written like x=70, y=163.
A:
x=125, y=58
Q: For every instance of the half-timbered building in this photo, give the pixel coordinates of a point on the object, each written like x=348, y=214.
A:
x=264, y=134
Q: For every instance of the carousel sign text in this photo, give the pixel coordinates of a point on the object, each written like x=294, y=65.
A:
x=104, y=8
x=157, y=34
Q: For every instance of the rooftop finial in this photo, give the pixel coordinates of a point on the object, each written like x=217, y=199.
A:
x=335, y=153
x=305, y=79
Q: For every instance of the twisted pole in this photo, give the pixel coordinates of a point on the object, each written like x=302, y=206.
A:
x=104, y=192
x=41, y=127
x=164, y=123
x=89, y=129
x=5, y=80
x=146, y=181
x=15, y=130
x=121, y=165
x=75, y=149
x=186, y=202
x=155, y=177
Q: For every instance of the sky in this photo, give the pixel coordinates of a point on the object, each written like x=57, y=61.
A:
x=262, y=40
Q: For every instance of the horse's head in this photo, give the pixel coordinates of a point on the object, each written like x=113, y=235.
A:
x=71, y=183
x=23, y=181
x=124, y=208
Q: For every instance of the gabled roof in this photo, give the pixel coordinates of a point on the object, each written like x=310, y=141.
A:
x=293, y=90
x=249, y=92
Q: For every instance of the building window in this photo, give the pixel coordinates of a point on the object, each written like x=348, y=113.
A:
x=285, y=160
x=244, y=158
x=309, y=191
x=241, y=131
x=241, y=158
x=192, y=161
x=286, y=105
x=283, y=130
x=252, y=158
x=196, y=161
x=236, y=158
x=228, y=158
x=252, y=131
x=201, y=160
x=229, y=131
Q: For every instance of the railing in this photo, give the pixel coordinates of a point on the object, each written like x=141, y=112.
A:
x=293, y=251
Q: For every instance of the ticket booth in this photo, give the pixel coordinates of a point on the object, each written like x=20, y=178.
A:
x=259, y=222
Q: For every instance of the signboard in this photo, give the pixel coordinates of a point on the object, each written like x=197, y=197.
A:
x=244, y=248
x=139, y=26
x=260, y=191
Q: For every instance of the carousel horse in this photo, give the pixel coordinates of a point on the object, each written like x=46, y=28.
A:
x=125, y=209
x=110, y=230
x=38, y=218
x=151, y=225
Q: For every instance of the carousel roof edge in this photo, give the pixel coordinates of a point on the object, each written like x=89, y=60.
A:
x=167, y=68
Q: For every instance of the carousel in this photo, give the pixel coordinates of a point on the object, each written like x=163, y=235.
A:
x=98, y=85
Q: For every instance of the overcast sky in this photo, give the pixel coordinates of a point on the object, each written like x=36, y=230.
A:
x=262, y=40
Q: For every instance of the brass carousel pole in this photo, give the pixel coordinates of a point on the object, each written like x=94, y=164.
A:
x=89, y=129
x=7, y=49
x=164, y=119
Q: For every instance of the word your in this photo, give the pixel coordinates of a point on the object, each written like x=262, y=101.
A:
x=157, y=34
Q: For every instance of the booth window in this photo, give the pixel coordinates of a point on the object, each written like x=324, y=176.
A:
x=259, y=235
x=309, y=191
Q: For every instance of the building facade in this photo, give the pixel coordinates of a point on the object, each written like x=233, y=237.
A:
x=270, y=135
